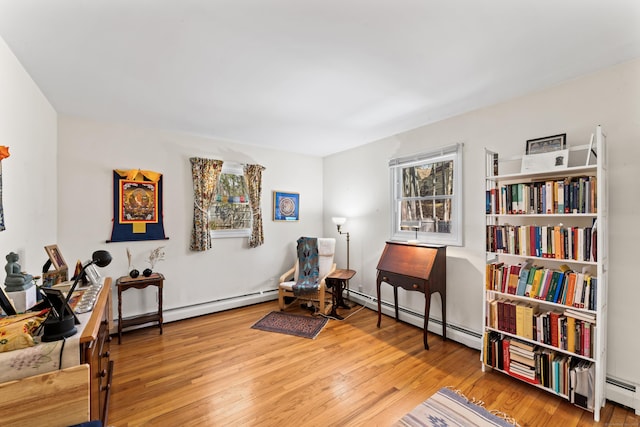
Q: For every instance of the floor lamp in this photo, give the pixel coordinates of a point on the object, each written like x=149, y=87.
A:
x=339, y=222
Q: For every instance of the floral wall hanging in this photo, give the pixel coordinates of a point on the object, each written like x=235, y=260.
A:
x=137, y=206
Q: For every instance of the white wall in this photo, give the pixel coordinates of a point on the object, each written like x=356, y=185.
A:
x=28, y=126
x=89, y=152
x=357, y=185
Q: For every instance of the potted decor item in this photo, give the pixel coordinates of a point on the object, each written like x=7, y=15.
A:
x=154, y=256
x=133, y=273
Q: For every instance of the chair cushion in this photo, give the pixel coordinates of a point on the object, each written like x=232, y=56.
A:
x=307, y=281
x=287, y=285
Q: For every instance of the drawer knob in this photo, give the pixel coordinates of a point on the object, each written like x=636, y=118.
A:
x=103, y=373
x=385, y=278
x=415, y=286
x=106, y=354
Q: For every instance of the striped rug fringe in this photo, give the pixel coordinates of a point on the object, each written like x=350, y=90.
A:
x=480, y=403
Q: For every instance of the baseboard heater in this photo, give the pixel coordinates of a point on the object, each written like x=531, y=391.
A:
x=623, y=393
x=455, y=332
x=220, y=304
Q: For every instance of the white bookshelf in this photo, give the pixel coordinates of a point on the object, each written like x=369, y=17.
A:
x=508, y=174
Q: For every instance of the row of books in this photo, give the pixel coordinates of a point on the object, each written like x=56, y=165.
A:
x=569, y=195
x=564, y=374
x=563, y=286
x=570, y=330
x=559, y=242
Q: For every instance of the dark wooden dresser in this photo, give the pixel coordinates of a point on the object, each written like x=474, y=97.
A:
x=415, y=267
x=95, y=343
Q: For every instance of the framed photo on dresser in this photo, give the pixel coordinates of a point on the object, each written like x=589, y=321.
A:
x=56, y=257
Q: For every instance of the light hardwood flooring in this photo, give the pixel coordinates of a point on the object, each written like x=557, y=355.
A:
x=216, y=370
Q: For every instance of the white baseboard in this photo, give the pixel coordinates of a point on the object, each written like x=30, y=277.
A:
x=456, y=333
x=209, y=307
x=625, y=394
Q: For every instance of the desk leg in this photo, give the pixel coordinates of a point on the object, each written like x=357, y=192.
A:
x=427, y=301
x=395, y=300
x=379, y=304
x=443, y=298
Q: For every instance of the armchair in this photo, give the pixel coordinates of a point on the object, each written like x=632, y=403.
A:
x=326, y=251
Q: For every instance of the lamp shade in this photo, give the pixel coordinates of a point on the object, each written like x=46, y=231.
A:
x=101, y=258
x=339, y=220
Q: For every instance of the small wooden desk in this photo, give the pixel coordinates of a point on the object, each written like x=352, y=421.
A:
x=421, y=268
x=126, y=282
x=338, y=282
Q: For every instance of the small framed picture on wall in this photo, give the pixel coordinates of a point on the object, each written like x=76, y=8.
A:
x=286, y=206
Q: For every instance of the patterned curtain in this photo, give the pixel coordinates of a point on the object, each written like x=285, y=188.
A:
x=205, y=173
x=253, y=174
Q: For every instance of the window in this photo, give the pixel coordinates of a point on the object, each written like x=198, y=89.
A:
x=230, y=212
x=427, y=197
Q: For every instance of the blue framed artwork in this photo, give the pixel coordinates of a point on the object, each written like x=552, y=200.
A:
x=286, y=206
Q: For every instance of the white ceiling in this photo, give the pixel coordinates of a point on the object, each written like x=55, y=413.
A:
x=308, y=76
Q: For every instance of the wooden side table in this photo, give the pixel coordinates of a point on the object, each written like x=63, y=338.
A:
x=126, y=282
x=337, y=280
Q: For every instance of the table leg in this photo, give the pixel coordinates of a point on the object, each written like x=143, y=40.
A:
x=336, y=288
x=160, y=307
x=119, y=315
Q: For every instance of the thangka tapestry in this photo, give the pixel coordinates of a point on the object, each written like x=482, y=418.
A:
x=137, y=206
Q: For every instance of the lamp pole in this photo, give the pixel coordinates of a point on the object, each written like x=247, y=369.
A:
x=347, y=233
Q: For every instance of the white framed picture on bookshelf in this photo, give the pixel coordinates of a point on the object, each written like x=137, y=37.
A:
x=542, y=162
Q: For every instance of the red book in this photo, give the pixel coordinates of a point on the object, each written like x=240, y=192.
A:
x=523, y=378
x=506, y=359
x=514, y=276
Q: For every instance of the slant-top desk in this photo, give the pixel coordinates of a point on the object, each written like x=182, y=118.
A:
x=415, y=267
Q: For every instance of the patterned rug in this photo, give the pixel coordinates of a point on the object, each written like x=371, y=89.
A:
x=291, y=324
x=449, y=407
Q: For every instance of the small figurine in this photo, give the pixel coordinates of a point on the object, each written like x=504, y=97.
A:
x=16, y=280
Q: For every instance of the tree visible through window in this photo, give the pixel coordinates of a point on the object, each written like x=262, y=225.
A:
x=230, y=212
x=427, y=197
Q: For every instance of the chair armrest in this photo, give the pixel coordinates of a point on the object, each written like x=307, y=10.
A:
x=287, y=275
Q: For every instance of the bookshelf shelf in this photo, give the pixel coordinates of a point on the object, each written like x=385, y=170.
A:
x=545, y=286
x=494, y=255
x=542, y=215
x=564, y=396
x=518, y=176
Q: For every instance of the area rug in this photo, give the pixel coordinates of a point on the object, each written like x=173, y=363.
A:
x=291, y=324
x=451, y=408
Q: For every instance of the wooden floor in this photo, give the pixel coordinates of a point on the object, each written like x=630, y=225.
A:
x=216, y=370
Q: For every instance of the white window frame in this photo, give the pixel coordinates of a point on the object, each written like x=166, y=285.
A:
x=455, y=237
x=233, y=169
